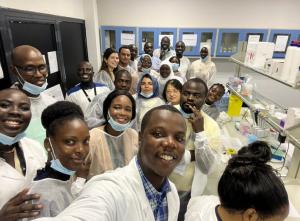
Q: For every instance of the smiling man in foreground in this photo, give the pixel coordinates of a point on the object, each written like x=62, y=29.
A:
x=141, y=190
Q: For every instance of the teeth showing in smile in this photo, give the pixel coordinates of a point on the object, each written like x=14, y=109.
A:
x=166, y=157
x=12, y=123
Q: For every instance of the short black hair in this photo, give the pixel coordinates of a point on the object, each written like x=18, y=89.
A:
x=147, y=116
x=198, y=81
x=112, y=95
x=175, y=83
x=219, y=85
x=124, y=47
x=119, y=73
x=55, y=114
x=248, y=182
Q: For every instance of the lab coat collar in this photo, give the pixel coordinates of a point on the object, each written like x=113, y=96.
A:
x=171, y=196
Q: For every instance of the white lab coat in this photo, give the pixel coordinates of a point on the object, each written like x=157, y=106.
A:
x=13, y=182
x=118, y=195
x=202, y=208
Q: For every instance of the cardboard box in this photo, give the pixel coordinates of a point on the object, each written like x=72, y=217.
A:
x=258, y=52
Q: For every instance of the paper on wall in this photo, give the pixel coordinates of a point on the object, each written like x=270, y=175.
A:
x=52, y=58
x=171, y=37
x=1, y=72
x=55, y=92
x=190, y=39
x=281, y=43
x=127, y=39
x=253, y=38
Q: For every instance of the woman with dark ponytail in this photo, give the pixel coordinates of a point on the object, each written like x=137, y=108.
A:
x=248, y=190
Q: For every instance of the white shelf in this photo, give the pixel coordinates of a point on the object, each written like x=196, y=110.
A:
x=262, y=72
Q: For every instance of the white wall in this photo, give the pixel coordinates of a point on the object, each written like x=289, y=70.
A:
x=199, y=13
x=67, y=8
x=81, y=9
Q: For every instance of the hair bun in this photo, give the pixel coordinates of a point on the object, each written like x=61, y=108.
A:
x=58, y=110
x=255, y=153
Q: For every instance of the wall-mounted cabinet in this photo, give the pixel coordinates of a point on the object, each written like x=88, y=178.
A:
x=116, y=36
x=228, y=39
x=154, y=35
x=282, y=39
x=194, y=38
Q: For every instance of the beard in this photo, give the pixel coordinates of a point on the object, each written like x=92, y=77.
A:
x=186, y=108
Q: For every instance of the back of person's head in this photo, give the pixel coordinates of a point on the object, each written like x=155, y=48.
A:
x=106, y=55
x=58, y=113
x=110, y=97
x=248, y=182
x=148, y=115
x=175, y=83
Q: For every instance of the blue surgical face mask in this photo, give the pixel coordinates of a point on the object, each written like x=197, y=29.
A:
x=175, y=67
x=117, y=126
x=7, y=140
x=146, y=70
x=56, y=164
x=34, y=89
x=146, y=95
x=31, y=88
x=205, y=59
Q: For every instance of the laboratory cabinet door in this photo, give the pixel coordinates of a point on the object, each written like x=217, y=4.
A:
x=117, y=36
x=40, y=36
x=194, y=39
x=74, y=50
x=282, y=39
x=228, y=39
x=155, y=35
x=147, y=35
x=4, y=69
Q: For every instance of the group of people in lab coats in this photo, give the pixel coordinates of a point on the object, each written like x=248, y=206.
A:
x=125, y=149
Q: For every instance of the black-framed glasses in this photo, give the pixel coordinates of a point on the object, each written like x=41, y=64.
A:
x=31, y=69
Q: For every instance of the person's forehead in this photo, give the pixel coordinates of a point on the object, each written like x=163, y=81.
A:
x=148, y=45
x=193, y=86
x=29, y=56
x=146, y=79
x=124, y=76
x=165, y=39
x=162, y=118
x=146, y=58
x=180, y=44
x=204, y=49
x=125, y=51
x=85, y=65
x=165, y=66
x=12, y=94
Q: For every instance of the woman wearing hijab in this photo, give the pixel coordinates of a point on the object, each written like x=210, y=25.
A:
x=146, y=64
x=147, y=97
x=203, y=68
x=20, y=157
x=114, y=144
x=166, y=73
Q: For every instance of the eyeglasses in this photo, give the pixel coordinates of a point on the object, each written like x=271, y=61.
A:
x=31, y=69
